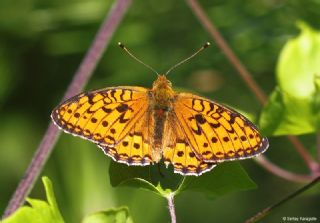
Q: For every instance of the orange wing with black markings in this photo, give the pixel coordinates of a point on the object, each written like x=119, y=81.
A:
x=136, y=147
x=217, y=133
x=178, y=152
x=104, y=116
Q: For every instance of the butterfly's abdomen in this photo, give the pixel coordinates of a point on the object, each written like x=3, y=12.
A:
x=159, y=119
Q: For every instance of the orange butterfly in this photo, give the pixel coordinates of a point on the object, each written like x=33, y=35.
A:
x=140, y=126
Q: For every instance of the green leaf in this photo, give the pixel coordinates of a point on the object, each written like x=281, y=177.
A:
x=119, y=215
x=299, y=63
x=225, y=178
x=293, y=107
x=285, y=114
x=39, y=211
x=155, y=178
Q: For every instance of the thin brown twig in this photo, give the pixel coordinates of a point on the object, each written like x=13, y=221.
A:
x=267, y=210
x=263, y=161
x=79, y=80
x=305, y=155
x=318, y=147
x=219, y=40
x=245, y=75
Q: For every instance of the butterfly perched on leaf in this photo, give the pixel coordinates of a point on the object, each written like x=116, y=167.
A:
x=141, y=126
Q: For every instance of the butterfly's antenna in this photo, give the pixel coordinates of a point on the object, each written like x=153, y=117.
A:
x=134, y=57
x=206, y=45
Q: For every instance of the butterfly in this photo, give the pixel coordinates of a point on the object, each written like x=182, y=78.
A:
x=139, y=126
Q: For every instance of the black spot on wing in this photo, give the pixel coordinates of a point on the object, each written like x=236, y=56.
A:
x=122, y=108
x=200, y=119
x=104, y=123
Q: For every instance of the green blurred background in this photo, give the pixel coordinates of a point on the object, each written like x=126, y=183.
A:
x=41, y=46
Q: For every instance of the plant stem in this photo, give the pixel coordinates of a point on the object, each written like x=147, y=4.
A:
x=245, y=74
x=219, y=40
x=318, y=147
x=267, y=210
x=79, y=80
x=172, y=211
x=34, y=168
x=305, y=155
x=276, y=170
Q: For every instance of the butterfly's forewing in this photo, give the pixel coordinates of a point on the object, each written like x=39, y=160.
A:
x=217, y=133
x=177, y=151
x=104, y=116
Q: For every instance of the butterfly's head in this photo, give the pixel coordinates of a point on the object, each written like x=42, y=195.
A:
x=162, y=82
x=162, y=90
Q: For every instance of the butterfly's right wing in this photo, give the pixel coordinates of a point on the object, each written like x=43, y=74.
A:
x=104, y=116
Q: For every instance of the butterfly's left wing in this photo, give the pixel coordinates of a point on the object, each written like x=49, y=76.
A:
x=217, y=133
x=136, y=147
x=104, y=116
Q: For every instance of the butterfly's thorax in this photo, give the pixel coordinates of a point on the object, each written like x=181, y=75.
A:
x=162, y=97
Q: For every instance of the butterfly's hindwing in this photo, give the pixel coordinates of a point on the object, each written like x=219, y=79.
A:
x=135, y=148
x=177, y=151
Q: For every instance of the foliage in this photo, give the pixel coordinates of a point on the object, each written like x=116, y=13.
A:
x=293, y=106
x=41, y=211
x=223, y=179
x=119, y=215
